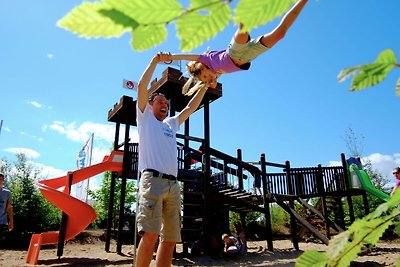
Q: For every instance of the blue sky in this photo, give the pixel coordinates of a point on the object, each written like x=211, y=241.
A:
x=57, y=88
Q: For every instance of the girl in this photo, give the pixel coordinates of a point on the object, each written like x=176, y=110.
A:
x=241, y=51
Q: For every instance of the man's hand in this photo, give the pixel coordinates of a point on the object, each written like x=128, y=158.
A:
x=165, y=57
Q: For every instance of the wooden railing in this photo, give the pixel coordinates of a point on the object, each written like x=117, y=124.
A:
x=302, y=182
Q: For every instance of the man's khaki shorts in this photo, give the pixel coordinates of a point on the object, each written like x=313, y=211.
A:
x=159, y=207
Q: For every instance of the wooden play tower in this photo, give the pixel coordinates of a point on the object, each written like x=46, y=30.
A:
x=214, y=183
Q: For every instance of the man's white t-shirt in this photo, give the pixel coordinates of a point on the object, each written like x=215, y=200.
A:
x=157, y=142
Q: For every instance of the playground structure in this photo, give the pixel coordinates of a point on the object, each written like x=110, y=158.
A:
x=213, y=183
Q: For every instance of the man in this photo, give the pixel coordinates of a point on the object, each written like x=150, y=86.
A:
x=5, y=209
x=159, y=193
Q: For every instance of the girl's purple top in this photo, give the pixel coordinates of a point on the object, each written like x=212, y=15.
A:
x=219, y=62
x=398, y=183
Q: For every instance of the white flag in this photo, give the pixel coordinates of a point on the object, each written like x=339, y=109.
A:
x=84, y=160
x=131, y=85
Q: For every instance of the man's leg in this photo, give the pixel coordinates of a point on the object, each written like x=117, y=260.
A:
x=165, y=252
x=145, y=250
x=270, y=39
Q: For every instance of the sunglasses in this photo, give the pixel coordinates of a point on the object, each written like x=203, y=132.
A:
x=396, y=172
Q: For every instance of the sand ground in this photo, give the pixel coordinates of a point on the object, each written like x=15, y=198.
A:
x=91, y=252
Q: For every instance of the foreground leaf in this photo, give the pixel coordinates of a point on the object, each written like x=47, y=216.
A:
x=253, y=13
x=145, y=37
x=311, y=258
x=148, y=11
x=337, y=244
x=86, y=20
x=370, y=74
x=195, y=27
x=352, y=250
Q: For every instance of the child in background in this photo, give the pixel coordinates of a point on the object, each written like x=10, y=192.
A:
x=232, y=245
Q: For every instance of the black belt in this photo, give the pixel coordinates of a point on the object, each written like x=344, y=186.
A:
x=156, y=173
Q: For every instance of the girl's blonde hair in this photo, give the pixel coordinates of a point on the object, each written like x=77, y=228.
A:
x=194, y=69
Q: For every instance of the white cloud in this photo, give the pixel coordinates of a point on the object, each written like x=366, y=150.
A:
x=384, y=164
x=50, y=56
x=38, y=105
x=6, y=129
x=98, y=154
x=49, y=171
x=40, y=139
x=103, y=135
x=29, y=153
x=35, y=104
x=82, y=132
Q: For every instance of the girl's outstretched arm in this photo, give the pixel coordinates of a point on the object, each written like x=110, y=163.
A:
x=188, y=57
x=270, y=39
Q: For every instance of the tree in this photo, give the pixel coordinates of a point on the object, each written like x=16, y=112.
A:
x=32, y=212
x=371, y=74
x=354, y=143
x=101, y=198
x=147, y=20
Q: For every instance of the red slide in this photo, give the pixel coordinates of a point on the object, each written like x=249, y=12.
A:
x=80, y=214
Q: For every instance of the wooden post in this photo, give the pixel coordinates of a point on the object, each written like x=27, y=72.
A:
x=348, y=188
x=112, y=193
x=125, y=165
x=321, y=190
x=207, y=223
x=268, y=225
x=240, y=169
x=293, y=224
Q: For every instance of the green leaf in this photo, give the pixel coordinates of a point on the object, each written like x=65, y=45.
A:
x=87, y=21
x=253, y=13
x=346, y=73
x=377, y=232
x=311, y=258
x=195, y=27
x=351, y=254
x=337, y=244
x=397, y=229
x=145, y=37
x=119, y=18
x=370, y=74
x=386, y=56
x=381, y=209
x=148, y=11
